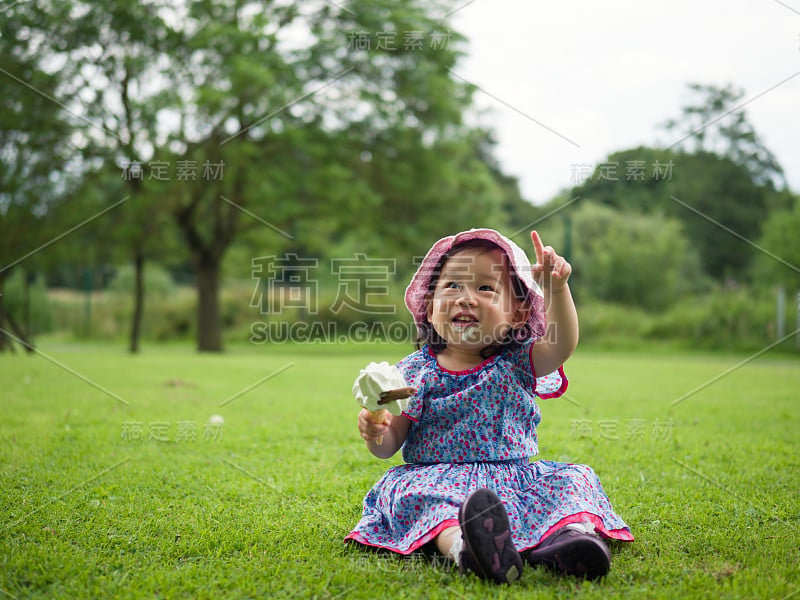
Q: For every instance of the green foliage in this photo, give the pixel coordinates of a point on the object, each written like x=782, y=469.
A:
x=604, y=325
x=37, y=163
x=722, y=318
x=157, y=282
x=423, y=192
x=710, y=195
x=215, y=83
x=727, y=318
x=330, y=134
x=633, y=259
x=779, y=263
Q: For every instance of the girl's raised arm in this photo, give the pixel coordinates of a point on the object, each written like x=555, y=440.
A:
x=552, y=272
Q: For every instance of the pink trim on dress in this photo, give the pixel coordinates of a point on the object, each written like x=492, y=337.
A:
x=465, y=371
x=357, y=537
x=564, y=381
x=613, y=534
x=409, y=417
x=562, y=388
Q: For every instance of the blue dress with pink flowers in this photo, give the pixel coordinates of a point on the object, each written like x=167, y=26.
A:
x=473, y=429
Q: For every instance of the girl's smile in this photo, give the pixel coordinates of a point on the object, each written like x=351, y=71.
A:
x=465, y=319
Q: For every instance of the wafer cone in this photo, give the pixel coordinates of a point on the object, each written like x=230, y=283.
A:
x=379, y=416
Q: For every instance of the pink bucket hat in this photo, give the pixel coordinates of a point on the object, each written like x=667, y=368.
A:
x=418, y=288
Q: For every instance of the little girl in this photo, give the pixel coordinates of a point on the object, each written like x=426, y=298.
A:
x=469, y=432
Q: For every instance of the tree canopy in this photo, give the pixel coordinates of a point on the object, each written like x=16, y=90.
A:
x=714, y=198
x=287, y=127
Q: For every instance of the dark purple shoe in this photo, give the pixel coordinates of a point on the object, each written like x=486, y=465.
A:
x=568, y=551
x=488, y=549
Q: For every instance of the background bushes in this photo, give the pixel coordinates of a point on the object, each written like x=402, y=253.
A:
x=723, y=318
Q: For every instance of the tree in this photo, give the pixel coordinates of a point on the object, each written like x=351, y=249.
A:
x=712, y=196
x=35, y=153
x=283, y=145
x=717, y=125
x=419, y=192
x=124, y=50
x=103, y=67
x=136, y=228
x=282, y=102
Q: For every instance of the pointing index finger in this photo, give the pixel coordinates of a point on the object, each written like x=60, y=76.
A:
x=538, y=247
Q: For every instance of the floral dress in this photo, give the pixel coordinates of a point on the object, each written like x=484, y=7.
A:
x=473, y=429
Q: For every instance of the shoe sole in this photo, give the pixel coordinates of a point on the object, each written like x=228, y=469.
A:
x=487, y=537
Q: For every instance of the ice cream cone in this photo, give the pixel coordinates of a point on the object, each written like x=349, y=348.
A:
x=381, y=389
x=379, y=416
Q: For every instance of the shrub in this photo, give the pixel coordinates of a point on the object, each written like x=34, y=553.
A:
x=157, y=281
x=728, y=318
x=631, y=259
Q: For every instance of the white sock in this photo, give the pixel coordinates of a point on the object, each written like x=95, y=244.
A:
x=582, y=527
x=456, y=549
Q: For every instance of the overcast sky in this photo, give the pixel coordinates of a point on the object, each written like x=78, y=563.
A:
x=566, y=83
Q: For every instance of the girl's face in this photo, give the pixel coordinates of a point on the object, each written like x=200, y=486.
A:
x=473, y=304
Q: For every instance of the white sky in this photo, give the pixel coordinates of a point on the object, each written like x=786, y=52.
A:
x=605, y=75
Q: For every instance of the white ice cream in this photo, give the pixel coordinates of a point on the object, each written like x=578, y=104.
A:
x=374, y=379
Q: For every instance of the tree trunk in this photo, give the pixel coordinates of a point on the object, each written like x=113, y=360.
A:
x=6, y=340
x=209, y=324
x=138, y=302
x=20, y=334
x=207, y=261
x=3, y=339
x=27, y=329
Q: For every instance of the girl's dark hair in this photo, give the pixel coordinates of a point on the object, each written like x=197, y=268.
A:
x=514, y=337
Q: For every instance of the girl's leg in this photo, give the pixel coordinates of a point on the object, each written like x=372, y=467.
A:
x=449, y=543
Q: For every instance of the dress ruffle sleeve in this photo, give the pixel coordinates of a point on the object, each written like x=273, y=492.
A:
x=551, y=385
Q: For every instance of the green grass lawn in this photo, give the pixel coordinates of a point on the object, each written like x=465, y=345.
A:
x=115, y=483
